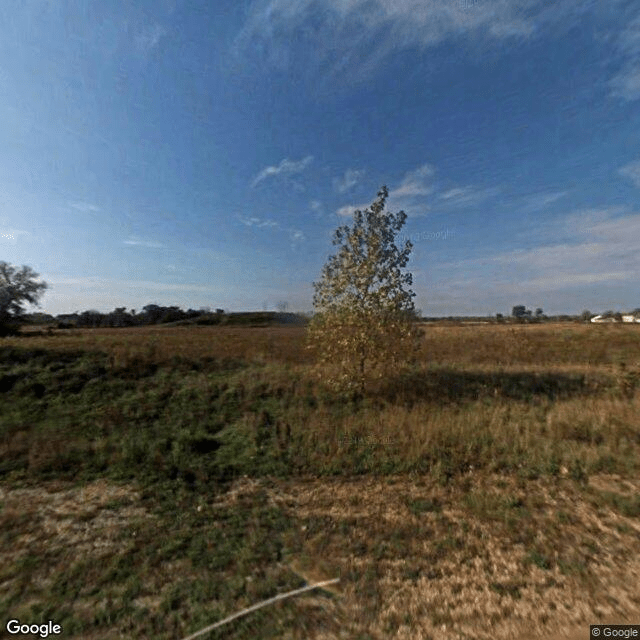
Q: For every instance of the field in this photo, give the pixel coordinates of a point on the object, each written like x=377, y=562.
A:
x=155, y=480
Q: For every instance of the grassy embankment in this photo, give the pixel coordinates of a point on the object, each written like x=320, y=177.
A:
x=182, y=412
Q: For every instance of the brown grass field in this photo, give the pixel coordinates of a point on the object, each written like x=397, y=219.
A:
x=494, y=492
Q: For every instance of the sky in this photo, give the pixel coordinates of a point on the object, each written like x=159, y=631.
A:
x=201, y=154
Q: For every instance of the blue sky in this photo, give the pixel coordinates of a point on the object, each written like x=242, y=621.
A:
x=202, y=153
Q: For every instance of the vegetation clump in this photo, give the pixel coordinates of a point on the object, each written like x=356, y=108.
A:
x=17, y=287
x=364, y=326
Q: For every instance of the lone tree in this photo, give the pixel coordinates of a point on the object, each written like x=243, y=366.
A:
x=364, y=322
x=17, y=287
x=519, y=311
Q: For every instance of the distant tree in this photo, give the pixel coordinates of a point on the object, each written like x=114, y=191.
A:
x=38, y=318
x=618, y=316
x=522, y=314
x=152, y=313
x=538, y=316
x=17, y=288
x=91, y=318
x=499, y=317
x=364, y=325
x=171, y=314
x=586, y=315
x=219, y=311
x=118, y=318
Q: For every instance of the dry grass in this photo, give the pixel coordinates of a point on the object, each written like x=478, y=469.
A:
x=161, y=344
x=497, y=494
x=486, y=557
x=584, y=345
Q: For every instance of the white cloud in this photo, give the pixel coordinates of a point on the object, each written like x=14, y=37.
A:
x=415, y=183
x=409, y=196
x=258, y=222
x=350, y=178
x=349, y=209
x=467, y=195
x=286, y=167
x=85, y=207
x=604, y=249
x=581, y=223
x=352, y=37
x=453, y=193
x=144, y=243
x=626, y=83
x=541, y=200
x=295, y=235
x=632, y=170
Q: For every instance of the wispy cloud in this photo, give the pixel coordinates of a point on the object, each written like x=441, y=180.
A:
x=258, y=222
x=286, y=167
x=415, y=183
x=147, y=38
x=541, y=200
x=90, y=283
x=144, y=243
x=467, y=195
x=410, y=194
x=632, y=170
x=603, y=249
x=354, y=36
x=295, y=235
x=417, y=195
x=84, y=207
x=626, y=83
x=453, y=193
x=349, y=180
x=350, y=209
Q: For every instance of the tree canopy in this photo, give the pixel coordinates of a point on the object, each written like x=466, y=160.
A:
x=364, y=311
x=17, y=288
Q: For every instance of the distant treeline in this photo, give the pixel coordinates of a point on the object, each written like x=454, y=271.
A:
x=156, y=314
x=500, y=318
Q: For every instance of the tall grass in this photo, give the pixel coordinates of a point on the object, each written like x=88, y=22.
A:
x=207, y=404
